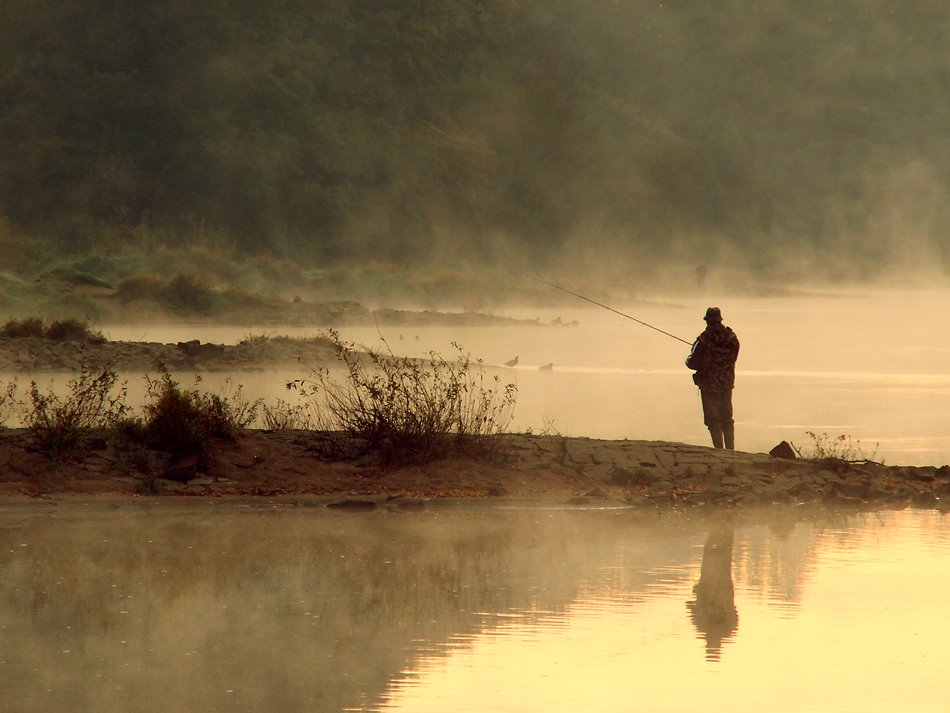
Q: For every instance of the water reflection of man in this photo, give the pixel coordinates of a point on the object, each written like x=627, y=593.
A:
x=713, y=611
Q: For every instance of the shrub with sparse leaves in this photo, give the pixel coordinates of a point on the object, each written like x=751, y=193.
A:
x=61, y=425
x=284, y=416
x=181, y=422
x=24, y=328
x=842, y=448
x=62, y=330
x=409, y=409
x=8, y=402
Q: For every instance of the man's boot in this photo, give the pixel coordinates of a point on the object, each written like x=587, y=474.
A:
x=729, y=436
x=716, y=433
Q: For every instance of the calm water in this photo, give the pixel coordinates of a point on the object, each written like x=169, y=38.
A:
x=219, y=607
x=870, y=366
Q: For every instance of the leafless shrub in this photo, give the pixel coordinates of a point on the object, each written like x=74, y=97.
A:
x=410, y=409
x=8, y=401
x=842, y=448
x=61, y=425
x=282, y=416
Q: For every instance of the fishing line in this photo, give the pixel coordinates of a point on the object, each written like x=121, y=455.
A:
x=638, y=321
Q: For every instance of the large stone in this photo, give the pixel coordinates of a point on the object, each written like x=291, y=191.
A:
x=852, y=489
x=922, y=475
x=182, y=471
x=731, y=481
x=805, y=491
x=633, y=476
x=352, y=505
x=783, y=450
x=665, y=458
x=578, y=451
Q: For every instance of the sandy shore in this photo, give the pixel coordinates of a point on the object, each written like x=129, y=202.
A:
x=302, y=464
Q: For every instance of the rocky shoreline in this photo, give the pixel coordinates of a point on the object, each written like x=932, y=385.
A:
x=30, y=353
x=309, y=464
x=34, y=354
x=662, y=472
x=297, y=464
x=571, y=471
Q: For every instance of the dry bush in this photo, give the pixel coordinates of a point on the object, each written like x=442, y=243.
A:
x=842, y=448
x=25, y=328
x=284, y=416
x=63, y=330
x=409, y=409
x=8, y=401
x=181, y=422
x=72, y=330
x=62, y=425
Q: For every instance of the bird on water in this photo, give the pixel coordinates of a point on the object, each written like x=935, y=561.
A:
x=512, y=362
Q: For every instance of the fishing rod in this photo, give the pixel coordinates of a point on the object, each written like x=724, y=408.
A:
x=638, y=321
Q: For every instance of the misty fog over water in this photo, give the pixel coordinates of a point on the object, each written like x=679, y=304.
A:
x=871, y=366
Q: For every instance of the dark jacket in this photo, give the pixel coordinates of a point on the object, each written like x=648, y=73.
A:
x=713, y=358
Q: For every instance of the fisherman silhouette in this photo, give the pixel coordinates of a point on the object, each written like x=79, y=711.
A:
x=713, y=611
x=713, y=358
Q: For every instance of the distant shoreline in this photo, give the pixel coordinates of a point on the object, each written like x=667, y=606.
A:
x=34, y=354
x=254, y=352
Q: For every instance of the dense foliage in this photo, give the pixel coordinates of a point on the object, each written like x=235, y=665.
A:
x=415, y=129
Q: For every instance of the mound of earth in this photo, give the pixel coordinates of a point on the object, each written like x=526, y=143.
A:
x=578, y=471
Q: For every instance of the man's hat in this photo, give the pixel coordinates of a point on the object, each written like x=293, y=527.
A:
x=713, y=315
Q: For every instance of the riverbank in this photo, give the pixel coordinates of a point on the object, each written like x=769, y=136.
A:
x=28, y=353
x=313, y=465
x=31, y=354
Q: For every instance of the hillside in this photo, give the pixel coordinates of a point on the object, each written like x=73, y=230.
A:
x=803, y=139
